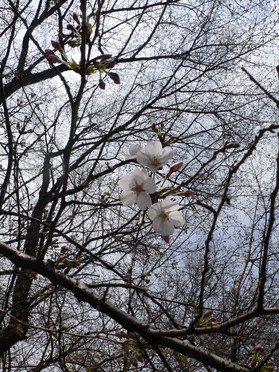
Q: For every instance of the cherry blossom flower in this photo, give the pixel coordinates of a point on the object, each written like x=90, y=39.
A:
x=136, y=189
x=154, y=156
x=165, y=217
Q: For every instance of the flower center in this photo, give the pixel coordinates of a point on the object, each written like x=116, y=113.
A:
x=154, y=161
x=164, y=215
x=138, y=189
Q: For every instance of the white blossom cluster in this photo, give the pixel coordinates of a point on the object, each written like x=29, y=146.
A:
x=139, y=188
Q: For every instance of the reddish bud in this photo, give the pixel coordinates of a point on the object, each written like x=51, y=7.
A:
x=207, y=313
x=114, y=77
x=102, y=84
x=53, y=58
x=259, y=348
x=110, y=64
x=49, y=52
x=174, y=168
x=56, y=46
x=71, y=28
x=154, y=128
x=186, y=193
x=76, y=262
x=76, y=18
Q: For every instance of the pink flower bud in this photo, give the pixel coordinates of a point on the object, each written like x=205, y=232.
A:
x=102, y=84
x=76, y=262
x=186, y=193
x=110, y=64
x=53, y=58
x=207, y=313
x=71, y=28
x=259, y=348
x=174, y=168
x=56, y=46
x=49, y=52
x=76, y=18
x=114, y=77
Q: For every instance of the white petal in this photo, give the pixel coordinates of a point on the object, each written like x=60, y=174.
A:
x=128, y=197
x=177, y=218
x=169, y=204
x=163, y=227
x=149, y=185
x=154, y=211
x=155, y=147
x=167, y=155
x=143, y=158
x=143, y=201
x=125, y=182
x=140, y=173
x=134, y=149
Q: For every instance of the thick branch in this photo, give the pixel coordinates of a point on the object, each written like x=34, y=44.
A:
x=83, y=293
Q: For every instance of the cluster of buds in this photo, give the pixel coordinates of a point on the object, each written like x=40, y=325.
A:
x=131, y=350
x=68, y=262
x=267, y=367
x=207, y=320
x=101, y=64
x=63, y=259
x=141, y=189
